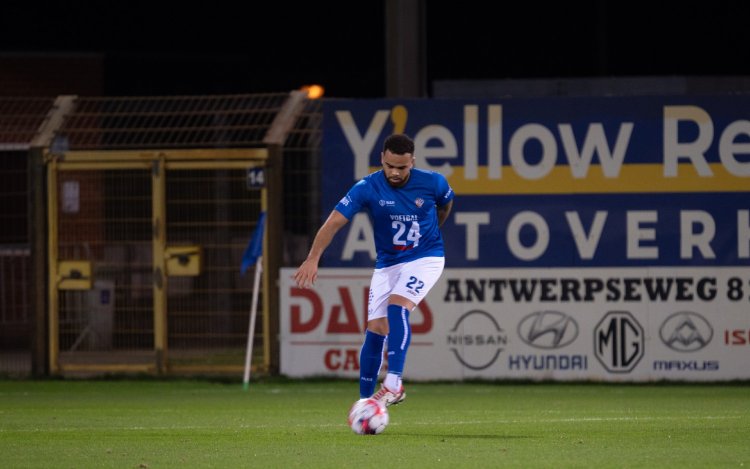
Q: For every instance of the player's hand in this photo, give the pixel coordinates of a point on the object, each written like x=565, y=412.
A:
x=306, y=274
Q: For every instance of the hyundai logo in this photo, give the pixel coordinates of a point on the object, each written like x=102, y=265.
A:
x=548, y=329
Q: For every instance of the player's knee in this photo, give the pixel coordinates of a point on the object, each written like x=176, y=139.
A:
x=401, y=301
x=378, y=326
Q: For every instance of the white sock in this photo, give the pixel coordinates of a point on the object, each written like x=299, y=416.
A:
x=392, y=382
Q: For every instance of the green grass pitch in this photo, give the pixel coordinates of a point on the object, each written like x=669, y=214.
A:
x=144, y=423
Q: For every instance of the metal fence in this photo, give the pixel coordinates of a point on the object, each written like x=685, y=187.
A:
x=105, y=215
x=20, y=120
x=15, y=323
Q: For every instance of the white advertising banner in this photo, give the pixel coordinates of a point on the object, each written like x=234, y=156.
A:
x=566, y=324
x=591, y=238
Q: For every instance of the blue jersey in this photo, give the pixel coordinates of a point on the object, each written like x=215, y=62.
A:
x=404, y=218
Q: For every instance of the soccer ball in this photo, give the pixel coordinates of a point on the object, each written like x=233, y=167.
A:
x=368, y=417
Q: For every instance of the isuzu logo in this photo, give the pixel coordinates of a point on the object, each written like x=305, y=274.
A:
x=686, y=331
x=618, y=342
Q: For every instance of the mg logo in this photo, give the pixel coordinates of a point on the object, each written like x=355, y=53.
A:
x=618, y=342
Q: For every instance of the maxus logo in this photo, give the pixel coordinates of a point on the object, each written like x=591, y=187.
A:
x=686, y=332
x=548, y=329
x=477, y=339
x=618, y=342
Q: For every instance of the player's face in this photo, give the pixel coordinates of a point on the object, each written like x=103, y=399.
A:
x=397, y=167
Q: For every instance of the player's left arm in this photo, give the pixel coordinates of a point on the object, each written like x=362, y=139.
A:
x=443, y=212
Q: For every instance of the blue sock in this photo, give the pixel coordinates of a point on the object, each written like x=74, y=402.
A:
x=370, y=360
x=399, y=338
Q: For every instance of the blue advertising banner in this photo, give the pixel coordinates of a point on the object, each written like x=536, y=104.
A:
x=560, y=182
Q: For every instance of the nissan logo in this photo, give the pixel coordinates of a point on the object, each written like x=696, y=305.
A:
x=477, y=339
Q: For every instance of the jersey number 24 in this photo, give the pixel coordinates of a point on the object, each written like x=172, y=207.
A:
x=411, y=235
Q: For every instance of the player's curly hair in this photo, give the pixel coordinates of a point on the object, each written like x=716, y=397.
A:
x=399, y=144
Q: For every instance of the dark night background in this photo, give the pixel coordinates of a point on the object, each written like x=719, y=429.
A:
x=153, y=48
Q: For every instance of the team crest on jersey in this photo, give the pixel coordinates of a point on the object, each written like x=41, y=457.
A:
x=419, y=202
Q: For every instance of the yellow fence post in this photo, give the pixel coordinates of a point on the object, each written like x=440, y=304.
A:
x=159, y=212
x=52, y=254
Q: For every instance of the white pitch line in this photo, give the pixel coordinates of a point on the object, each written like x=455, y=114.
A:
x=327, y=425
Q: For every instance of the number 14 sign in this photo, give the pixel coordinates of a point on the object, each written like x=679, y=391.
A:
x=256, y=178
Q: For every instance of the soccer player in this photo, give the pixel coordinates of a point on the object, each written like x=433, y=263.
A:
x=407, y=206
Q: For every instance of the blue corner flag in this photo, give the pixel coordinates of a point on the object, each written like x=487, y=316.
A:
x=255, y=247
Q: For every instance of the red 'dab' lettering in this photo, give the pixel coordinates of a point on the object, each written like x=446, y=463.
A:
x=342, y=315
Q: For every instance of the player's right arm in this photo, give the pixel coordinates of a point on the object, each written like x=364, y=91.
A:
x=443, y=212
x=307, y=273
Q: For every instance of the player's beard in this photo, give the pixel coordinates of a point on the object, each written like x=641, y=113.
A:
x=397, y=181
